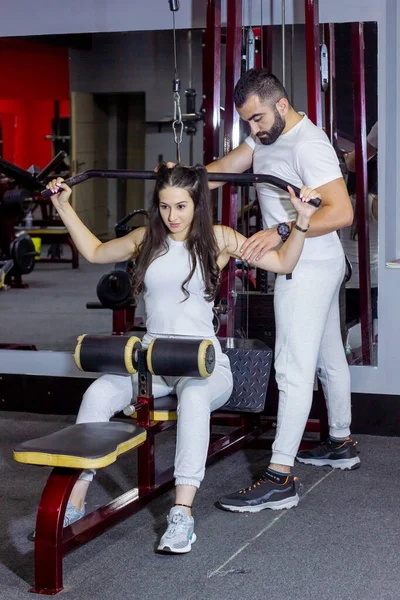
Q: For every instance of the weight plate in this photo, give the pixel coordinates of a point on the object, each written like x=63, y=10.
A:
x=22, y=252
x=14, y=202
x=114, y=290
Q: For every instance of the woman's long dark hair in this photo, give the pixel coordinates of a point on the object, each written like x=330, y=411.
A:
x=201, y=242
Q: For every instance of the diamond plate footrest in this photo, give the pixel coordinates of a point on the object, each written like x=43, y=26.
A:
x=251, y=362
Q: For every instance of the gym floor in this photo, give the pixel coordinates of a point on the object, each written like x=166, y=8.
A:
x=340, y=542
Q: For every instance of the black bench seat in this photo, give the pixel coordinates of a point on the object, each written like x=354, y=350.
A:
x=83, y=446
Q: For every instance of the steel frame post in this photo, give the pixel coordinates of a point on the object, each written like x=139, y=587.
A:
x=231, y=141
x=266, y=58
x=212, y=81
x=313, y=61
x=330, y=94
x=361, y=212
x=49, y=531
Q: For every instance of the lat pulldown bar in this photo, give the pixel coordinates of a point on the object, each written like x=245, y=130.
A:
x=239, y=179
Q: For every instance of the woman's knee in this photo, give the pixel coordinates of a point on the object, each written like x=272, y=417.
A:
x=202, y=396
x=104, y=397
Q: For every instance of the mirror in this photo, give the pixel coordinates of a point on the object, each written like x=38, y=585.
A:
x=338, y=120
x=112, y=108
x=355, y=303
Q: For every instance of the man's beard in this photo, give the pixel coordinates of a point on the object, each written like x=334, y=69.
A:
x=269, y=137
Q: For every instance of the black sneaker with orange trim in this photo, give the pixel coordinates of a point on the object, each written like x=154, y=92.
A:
x=332, y=453
x=269, y=491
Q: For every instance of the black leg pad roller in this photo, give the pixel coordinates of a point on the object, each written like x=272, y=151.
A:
x=181, y=357
x=107, y=354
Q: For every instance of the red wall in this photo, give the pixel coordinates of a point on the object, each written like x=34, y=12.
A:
x=32, y=77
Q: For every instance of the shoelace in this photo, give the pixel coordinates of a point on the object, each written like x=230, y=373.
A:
x=335, y=445
x=175, y=525
x=263, y=479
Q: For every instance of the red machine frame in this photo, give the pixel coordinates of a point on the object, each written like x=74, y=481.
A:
x=211, y=83
x=362, y=189
x=53, y=541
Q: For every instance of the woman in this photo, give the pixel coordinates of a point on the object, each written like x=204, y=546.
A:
x=179, y=257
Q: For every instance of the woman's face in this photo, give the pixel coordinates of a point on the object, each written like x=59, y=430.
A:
x=176, y=210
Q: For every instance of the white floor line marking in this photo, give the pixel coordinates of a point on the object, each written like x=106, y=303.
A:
x=260, y=533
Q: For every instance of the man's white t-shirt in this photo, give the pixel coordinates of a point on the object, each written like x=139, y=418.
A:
x=302, y=156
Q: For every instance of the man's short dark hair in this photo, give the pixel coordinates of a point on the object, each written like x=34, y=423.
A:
x=261, y=83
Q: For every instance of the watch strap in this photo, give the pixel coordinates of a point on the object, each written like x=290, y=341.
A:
x=300, y=228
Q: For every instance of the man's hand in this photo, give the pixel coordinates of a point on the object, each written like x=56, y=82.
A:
x=259, y=244
x=264, y=241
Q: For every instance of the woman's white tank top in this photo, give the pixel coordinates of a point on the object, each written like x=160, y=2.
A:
x=167, y=310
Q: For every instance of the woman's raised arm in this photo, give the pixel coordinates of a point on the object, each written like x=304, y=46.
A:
x=89, y=245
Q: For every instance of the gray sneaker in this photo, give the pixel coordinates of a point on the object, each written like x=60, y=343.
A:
x=71, y=515
x=179, y=536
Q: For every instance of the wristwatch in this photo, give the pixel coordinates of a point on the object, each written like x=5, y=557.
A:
x=284, y=231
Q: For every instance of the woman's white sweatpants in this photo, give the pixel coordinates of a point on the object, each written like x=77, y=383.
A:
x=308, y=340
x=197, y=398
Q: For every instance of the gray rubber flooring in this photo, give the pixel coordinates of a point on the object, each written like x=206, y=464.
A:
x=341, y=542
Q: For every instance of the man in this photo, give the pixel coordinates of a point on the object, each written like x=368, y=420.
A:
x=287, y=144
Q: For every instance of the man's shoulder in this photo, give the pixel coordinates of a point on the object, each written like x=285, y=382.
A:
x=312, y=141
x=311, y=132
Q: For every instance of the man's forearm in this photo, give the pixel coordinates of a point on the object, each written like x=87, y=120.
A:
x=289, y=253
x=324, y=221
x=215, y=167
x=236, y=161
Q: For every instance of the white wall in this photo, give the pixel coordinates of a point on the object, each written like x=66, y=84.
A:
x=46, y=17
x=89, y=16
